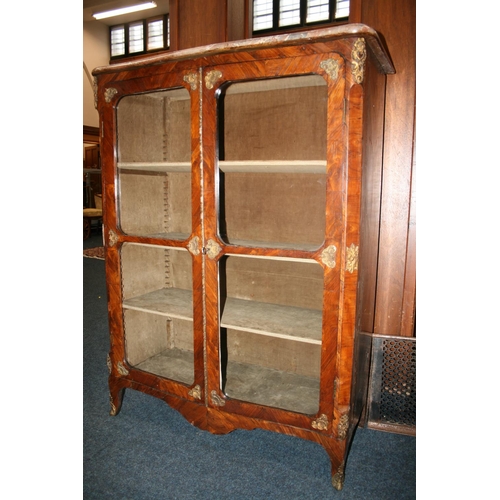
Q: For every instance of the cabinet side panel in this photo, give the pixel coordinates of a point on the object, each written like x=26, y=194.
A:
x=361, y=374
x=373, y=123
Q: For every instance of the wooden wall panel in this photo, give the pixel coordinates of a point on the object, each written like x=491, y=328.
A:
x=395, y=20
x=197, y=22
x=392, y=300
x=235, y=19
x=409, y=295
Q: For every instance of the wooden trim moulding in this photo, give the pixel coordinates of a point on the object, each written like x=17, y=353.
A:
x=90, y=134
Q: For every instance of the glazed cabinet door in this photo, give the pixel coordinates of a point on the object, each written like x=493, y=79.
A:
x=273, y=141
x=154, y=234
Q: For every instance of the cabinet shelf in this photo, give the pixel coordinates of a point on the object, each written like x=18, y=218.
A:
x=167, y=236
x=269, y=387
x=171, y=302
x=286, y=322
x=274, y=166
x=175, y=364
x=272, y=244
x=154, y=167
x=248, y=166
x=272, y=320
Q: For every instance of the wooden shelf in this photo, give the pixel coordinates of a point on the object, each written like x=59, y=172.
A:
x=248, y=166
x=154, y=166
x=265, y=386
x=171, y=302
x=274, y=167
x=165, y=236
x=292, y=323
x=273, y=244
x=175, y=364
x=285, y=322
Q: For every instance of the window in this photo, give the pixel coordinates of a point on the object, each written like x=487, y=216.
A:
x=140, y=37
x=136, y=37
x=274, y=15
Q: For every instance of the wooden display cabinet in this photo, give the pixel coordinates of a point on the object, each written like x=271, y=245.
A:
x=232, y=181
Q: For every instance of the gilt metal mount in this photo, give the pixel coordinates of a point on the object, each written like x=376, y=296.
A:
x=216, y=399
x=338, y=477
x=320, y=423
x=192, y=79
x=112, y=238
x=352, y=258
x=358, y=60
x=121, y=369
x=343, y=426
x=211, y=77
x=194, y=246
x=328, y=256
x=212, y=249
x=113, y=411
x=195, y=392
x=331, y=67
x=109, y=94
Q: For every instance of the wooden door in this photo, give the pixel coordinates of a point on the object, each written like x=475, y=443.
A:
x=151, y=170
x=274, y=152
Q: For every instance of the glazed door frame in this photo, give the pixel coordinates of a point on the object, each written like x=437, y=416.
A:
x=266, y=64
x=114, y=87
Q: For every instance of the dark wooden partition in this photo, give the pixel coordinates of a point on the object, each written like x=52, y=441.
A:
x=394, y=304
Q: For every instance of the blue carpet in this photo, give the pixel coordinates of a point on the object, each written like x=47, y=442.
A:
x=149, y=451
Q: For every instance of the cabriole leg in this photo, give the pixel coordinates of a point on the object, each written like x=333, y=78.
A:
x=338, y=477
x=115, y=398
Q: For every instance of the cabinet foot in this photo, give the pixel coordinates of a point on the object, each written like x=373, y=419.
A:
x=338, y=477
x=115, y=401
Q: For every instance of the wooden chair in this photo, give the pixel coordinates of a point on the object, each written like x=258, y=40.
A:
x=90, y=214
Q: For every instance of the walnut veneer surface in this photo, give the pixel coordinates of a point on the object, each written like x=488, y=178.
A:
x=232, y=185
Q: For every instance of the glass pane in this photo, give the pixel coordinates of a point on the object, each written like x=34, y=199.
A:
x=272, y=164
x=289, y=12
x=158, y=310
x=342, y=9
x=262, y=14
x=318, y=10
x=154, y=164
x=117, y=41
x=155, y=34
x=271, y=319
x=136, y=37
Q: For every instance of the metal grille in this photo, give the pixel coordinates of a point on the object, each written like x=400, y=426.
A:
x=393, y=395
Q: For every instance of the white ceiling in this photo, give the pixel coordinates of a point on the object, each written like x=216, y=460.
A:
x=92, y=6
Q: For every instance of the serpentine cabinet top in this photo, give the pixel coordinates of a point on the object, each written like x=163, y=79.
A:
x=371, y=37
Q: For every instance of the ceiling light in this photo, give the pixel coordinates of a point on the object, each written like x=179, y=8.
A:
x=124, y=10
